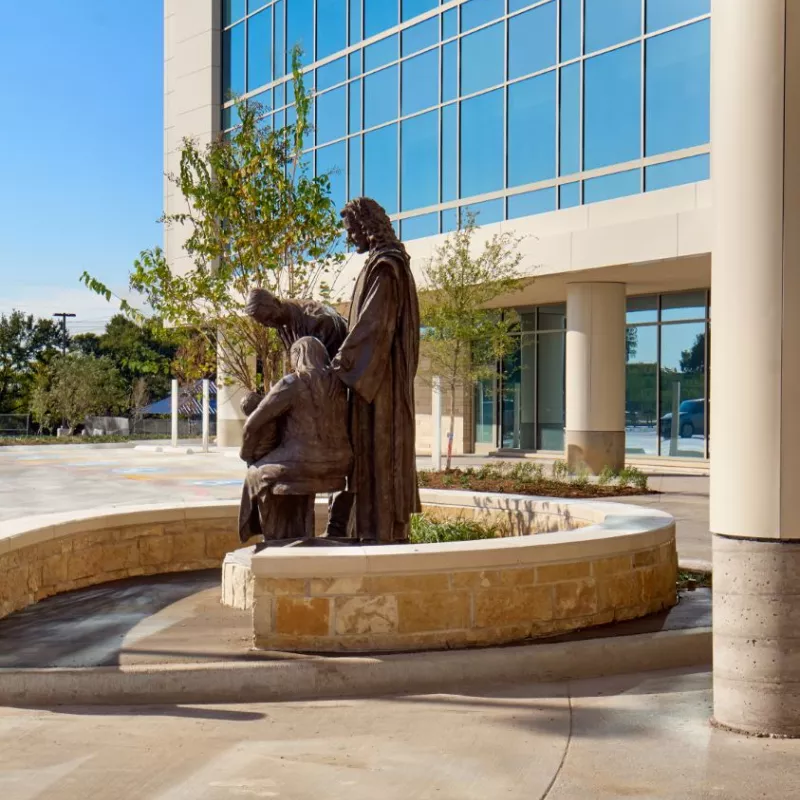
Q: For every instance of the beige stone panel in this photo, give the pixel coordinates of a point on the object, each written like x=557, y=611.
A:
x=695, y=232
x=219, y=544
x=575, y=599
x=191, y=17
x=84, y=564
x=365, y=615
x=155, y=551
x=497, y=607
x=121, y=556
x=553, y=573
x=188, y=547
x=488, y=578
x=281, y=586
x=433, y=611
x=662, y=203
x=646, y=558
x=54, y=571
x=302, y=616
x=619, y=591
x=200, y=51
x=611, y=566
x=139, y=532
x=391, y=584
x=336, y=586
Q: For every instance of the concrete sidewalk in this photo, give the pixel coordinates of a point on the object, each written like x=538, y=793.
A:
x=638, y=736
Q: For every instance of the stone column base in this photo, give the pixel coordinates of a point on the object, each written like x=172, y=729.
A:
x=595, y=449
x=229, y=432
x=756, y=599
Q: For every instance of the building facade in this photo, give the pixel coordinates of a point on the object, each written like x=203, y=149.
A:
x=581, y=125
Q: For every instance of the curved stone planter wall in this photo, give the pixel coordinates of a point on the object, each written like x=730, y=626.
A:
x=606, y=562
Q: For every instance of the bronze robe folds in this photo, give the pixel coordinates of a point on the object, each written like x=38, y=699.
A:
x=378, y=361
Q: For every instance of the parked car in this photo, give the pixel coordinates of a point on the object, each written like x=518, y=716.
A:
x=691, y=420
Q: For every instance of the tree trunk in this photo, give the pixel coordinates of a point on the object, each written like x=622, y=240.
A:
x=452, y=426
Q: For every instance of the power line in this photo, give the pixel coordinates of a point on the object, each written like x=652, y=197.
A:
x=64, y=315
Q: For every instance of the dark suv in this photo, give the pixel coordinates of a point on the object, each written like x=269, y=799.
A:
x=691, y=420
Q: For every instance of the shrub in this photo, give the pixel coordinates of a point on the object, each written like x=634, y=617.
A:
x=560, y=469
x=632, y=476
x=427, y=531
x=606, y=476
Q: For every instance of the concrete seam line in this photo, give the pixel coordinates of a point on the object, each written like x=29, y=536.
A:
x=354, y=677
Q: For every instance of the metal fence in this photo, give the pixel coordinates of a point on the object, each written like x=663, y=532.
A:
x=187, y=428
x=15, y=424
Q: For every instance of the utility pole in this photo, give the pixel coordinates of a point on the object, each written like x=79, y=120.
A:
x=64, y=316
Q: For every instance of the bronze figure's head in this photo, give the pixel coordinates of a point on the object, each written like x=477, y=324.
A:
x=308, y=355
x=368, y=226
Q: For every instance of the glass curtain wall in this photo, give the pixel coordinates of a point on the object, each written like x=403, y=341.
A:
x=430, y=109
x=666, y=402
x=531, y=387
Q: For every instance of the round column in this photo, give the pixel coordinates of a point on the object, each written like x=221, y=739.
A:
x=755, y=370
x=595, y=376
x=230, y=418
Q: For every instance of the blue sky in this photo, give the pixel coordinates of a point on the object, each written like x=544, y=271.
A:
x=80, y=149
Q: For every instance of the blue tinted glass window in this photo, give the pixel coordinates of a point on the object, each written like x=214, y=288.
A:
x=419, y=227
x=300, y=29
x=532, y=41
x=354, y=88
x=255, y=5
x=259, y=49
x=678, y=98
x=331, y=109
x=232, y=11
x=331, y=161
x=569, y=195
x=449, y=149
x=449, y=23
x=481, y=155
x=331, y=74
x=482, y=58
x=449, y=220
x=532, y=129
x=380, y=53
x=570, y=29
x=230, y=117
x=233, y=62
x=486, y=213
x=663, y=13
x=675, y=173
x=477, y=12
x=380, y=96
x=380, y=166
x=524, y=205
x=609, y=22
x=331, y=27
x=449, y=71
x=419, y=161
x=356, y=22
x=420, y=87
x=280, y=95
x=354, y=188
x=608, y=187
x=420, y=36
x=570, y=110
x=412, y=8
x=379, y=15
x=279, y=41
x=612, y=108
x=354, y=61
x=264, y=100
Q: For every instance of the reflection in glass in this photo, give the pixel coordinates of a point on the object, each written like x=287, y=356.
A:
x=354, y=188
x=300, y=30
x=532, y=41
x=612, y=106
x=419, y=84
x=642, y=309
x=419, y=227
x=354, y=61
x=279, y=40
x=570, y=29
x=413, y=8
x=477, y=12
x=449, y=71
x=419, y=157
x=449, y=220
x=609, y=22
x=664, y=13
x=570, y=110
x=259, y=49
x=678, y=84
x=331, y=74
x=232, y=11
x=569, y=195
x=331, y=27
x=233, y=62
x=482, y=58
x=682, y=306
x=380, y=53
x=675, y=173
x=381, y=89
x=486, y=213
x=528, y=203
x=532, y=130
x=331, y=109
x=484, y=405
x=449, y=161
x=380, y=166
x=356, y=22
x=641, y=378
x=550, y=385
x=683, y=409
x=449, y=23
x=481, y=155
x=609, y=187
x=354, y=88
x=331, y=161
x=379, y=15
x=420, y=36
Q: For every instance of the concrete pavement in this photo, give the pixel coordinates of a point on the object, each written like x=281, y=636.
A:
x=637, y=736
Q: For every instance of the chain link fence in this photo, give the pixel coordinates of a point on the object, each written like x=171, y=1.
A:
x=187, y=428
x=15, y=425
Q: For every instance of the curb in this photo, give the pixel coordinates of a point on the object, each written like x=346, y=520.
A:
x=694, y=565
x=328, y=678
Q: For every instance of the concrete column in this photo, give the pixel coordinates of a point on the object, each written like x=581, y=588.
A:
x=595, y=376
x=230, y=417
x=436, y=419
x=755, y=371
x=174, y=412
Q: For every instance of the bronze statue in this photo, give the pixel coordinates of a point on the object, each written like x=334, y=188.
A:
x=295, y=444
x=378, y=361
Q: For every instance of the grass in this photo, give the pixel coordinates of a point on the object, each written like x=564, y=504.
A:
x=15, y=441
x=427, y=531
x=687, y=579
x=527, y=478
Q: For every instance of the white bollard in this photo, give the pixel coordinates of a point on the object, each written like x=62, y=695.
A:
x=206, y=414
x=174, y=412
x=436, y=441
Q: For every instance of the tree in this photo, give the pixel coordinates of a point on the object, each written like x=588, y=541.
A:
x=461, y=337
x=255, y=218
x=75, y=386
x=25, y=344
x=693, y=360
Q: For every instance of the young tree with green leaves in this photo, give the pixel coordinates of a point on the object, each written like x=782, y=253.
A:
x=462, y=338
x=255, y=217
x=75, y=386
